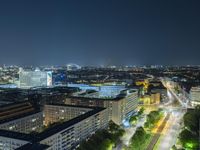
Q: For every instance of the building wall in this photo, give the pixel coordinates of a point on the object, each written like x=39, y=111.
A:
x=10, y=144
x=30, y=79
x=70, y=137
x=155, y=98
x=163, y=93
x=195, y=96
x=117, y=109
x=25, y=124
x=55, y=113
x=131, y=102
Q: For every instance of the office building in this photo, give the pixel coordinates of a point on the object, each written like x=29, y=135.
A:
x=37, y=78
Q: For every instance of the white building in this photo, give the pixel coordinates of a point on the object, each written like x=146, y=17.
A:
x=73, y=67
x=195, y=96
x=37, y=78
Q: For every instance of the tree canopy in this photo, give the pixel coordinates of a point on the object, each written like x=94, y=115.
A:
x=190, y=135
x=104, y=139
x=139, y=139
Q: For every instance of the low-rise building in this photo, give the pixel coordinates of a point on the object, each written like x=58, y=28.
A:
x=155, y=98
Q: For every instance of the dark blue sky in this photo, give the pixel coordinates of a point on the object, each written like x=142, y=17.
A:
x=100, y=32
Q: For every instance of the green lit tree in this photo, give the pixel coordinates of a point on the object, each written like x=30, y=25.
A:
x=141, y=111
x=133, y=120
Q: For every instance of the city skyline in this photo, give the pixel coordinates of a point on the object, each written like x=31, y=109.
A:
x=99, y=32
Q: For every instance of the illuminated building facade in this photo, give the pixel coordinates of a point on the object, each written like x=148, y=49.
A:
x=55, y=113
x=29, y=79
x=153, y=98
x=195, y=96
x=68, y=130
x=119, y=107
x=22, y=117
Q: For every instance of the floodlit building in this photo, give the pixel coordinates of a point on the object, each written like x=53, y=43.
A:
x=151, y=99
x=104, y=90
x=195, y=96
x=155, y=98
x=119, y=106
x=162, y=92
x=37, y=78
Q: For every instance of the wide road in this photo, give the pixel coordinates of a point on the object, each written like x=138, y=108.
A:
x=157, y=135
x=171, y=131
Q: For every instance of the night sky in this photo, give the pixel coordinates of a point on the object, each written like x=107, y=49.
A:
x=97, y=32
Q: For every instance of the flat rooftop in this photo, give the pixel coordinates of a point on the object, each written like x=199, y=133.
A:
x=15, y=111
x=34, y=146
x=98, y=96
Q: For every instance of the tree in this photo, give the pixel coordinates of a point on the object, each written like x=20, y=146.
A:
x=133, y=119
x=188, y=140
x=138, y=139
x=152, y=118
x=103, y=139
x=141, y=111
x=106, y=145
x=189, y=136
x=174, y=147
x=191, y=120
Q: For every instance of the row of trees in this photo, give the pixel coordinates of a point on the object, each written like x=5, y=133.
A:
x=133, y=119
x=139, y=139
x=104, y=139
x=189, y=136
x=152, y=118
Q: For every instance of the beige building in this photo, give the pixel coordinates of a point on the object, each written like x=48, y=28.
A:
x=154, y=98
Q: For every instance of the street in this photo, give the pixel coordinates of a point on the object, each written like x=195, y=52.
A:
x=170, y=132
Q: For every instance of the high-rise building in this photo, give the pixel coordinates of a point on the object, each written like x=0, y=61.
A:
x=37, y=78
x=195, y=96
